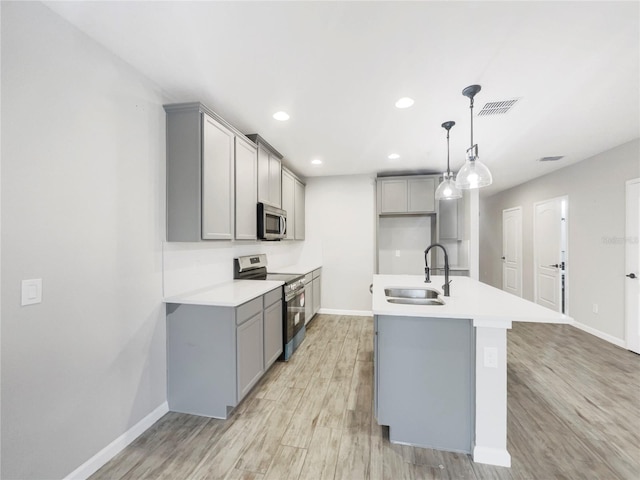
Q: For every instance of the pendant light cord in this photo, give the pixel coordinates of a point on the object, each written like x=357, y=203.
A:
x=471, y=110
x=448, y=169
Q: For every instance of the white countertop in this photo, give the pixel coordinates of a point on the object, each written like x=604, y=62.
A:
x=301, y=268
x=486, y=305
x=228, y=294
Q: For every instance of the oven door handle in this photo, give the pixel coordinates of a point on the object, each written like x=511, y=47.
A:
x=293, y=295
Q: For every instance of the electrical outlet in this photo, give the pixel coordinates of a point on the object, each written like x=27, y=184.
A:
x=397, y=253
x=31, y=291
x=595, y=308
x=491, y=357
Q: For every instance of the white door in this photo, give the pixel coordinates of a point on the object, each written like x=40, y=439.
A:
x=550, y=253
x=512, y=251
x=632, y=265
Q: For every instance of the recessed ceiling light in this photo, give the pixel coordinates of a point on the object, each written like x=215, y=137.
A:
x=282, y=116
x=316, y=161
x=404, y=102
x=394, y=156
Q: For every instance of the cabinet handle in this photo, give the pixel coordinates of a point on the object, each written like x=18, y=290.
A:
x=632, y=275
x=503, y=258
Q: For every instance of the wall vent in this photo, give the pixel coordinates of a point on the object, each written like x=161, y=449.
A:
x=551, y=159
x=498, y=108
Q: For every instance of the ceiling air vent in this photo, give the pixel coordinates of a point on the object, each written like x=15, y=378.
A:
x=551, y=159
x=498, y=108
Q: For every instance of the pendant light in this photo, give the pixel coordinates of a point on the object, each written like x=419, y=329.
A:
x=474, y=173
x=447, y=190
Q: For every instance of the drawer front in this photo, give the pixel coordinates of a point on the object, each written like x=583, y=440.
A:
x=272, y=297
x=247, y=310
x=316, y=273
x=308, y=277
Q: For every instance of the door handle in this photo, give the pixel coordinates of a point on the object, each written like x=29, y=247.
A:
x=556, y=265
x=632, y=275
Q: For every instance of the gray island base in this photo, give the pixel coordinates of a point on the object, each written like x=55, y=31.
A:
x=440, y=369
x=425, y=369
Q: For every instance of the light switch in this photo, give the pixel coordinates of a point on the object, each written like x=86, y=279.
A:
x=31, y=291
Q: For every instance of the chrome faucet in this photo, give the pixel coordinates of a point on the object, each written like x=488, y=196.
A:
x=427, y=277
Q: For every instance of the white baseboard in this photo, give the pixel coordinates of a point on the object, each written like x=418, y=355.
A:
x=92, y=465
x=597, y=333
x=492, y=456
x=355, y=313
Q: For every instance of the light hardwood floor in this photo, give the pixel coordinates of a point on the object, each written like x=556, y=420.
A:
x=573, y=413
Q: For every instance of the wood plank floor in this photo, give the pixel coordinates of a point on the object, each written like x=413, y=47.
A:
x=573, y=413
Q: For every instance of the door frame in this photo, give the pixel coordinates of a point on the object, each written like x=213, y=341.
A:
x=518, y=248
x=629, y=324
x=564, y=289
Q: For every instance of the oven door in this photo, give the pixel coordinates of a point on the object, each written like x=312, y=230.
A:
x=294, y=314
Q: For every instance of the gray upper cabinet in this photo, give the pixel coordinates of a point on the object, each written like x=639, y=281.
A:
x=397, y=195
x=217, y=180
x=300, y=206
x=269, y=172
x=293, y=191
x=448, y=219
x=201, y=151
x=288, y=202
x=246, y=170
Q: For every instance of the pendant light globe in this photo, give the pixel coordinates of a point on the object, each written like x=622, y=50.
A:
x=447, y=190
x=474, y=173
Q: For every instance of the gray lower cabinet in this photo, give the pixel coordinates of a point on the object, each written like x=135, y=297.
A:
x=273, y=343
x=249, y=353
x=424, y=373
x=317, y=293
x=215, y=355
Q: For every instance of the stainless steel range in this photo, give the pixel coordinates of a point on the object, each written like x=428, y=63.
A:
x=254, y=267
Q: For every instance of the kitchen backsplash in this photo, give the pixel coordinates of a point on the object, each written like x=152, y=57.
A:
x=191, y=266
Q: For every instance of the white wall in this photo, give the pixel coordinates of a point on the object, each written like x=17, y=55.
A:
x=340, y=223
x=83, y=209
x=596, y=191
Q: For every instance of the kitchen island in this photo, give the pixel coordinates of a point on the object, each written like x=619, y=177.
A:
x=441, y=369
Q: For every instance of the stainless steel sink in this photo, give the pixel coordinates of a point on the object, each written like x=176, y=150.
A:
x=413, y=296
x=411, y=292
x=416, y=301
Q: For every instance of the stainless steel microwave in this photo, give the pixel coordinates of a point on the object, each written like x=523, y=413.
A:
x=272, y=222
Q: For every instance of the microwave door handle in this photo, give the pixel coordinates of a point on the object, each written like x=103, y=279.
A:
x=283, y=224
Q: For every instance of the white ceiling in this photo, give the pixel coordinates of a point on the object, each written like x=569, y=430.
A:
x=338, y=67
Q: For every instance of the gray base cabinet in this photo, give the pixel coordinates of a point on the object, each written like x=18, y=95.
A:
x=424, y=374
x=215, y=355
x=312, y=294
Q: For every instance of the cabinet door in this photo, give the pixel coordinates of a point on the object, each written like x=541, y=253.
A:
x=249, y=354
x=263, y=175
x=288, y=203
x=308, y=302
x=272, y=333
x=275, y=172
x=421, y=195
x=316, y=295
x=246, y=190
x=299, y=210
x=217, y=180
x=394, y=196
x=448, y=219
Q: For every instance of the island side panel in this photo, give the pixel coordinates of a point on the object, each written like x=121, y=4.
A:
x=491, y=397
x=425, y=381
x=201, y=374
